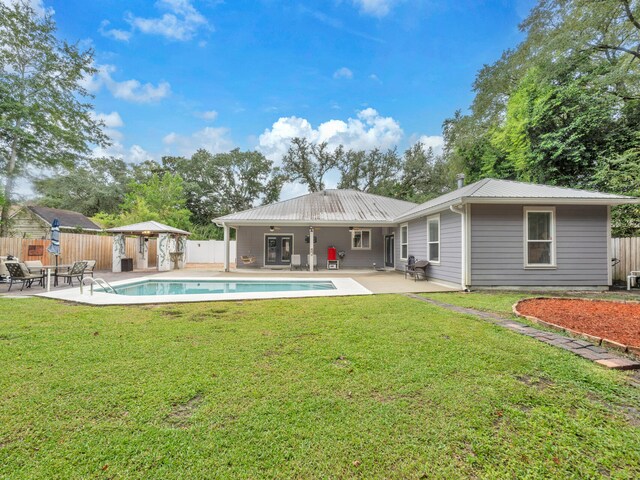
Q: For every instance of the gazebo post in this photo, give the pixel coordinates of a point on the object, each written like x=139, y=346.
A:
x=118, y=253
x=164, y=250
x=142, y=255
x=226, y=247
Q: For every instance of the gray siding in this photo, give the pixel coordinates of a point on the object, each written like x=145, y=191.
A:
x=497, y=247
x=449, y=268
x=250, y=241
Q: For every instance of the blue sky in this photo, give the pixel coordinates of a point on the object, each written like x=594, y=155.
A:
x=176, y=75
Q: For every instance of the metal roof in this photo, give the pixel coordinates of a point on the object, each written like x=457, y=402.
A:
x=146, y=228
x=67, y=218
x=354, y=208
x=490, y=190
x=325, y=207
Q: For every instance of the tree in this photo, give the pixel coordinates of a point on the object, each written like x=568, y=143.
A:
x=225, y=182
x=425, y=175
x=98, y=185
x=374, y=171
x=44, y=121
x=308, y=163
x=161, y=199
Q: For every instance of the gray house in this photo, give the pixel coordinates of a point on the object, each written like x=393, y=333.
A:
x=492, y=233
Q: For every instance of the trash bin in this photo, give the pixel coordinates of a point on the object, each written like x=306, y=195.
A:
x=126, y=265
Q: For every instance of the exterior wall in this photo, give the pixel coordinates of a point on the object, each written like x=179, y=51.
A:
x=450, y=265
x=250, y=241
x=497, y=247
x=23, y=224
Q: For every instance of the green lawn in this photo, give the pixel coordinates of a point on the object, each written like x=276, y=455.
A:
x=381, y=386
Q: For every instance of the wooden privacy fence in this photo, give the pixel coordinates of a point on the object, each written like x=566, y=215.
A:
x=74, y=246
x=627, y=250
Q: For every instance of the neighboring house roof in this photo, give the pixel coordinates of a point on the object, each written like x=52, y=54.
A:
x=67, y=218
x=347, y=207
x=490, y=190
x=358, y=208
x=147, y=228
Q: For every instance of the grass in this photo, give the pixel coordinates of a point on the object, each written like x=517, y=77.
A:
x=366, y=387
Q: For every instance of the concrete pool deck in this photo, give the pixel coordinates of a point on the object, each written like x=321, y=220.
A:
x=375, y=282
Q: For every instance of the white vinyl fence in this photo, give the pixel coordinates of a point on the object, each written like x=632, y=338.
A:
x=209, y=251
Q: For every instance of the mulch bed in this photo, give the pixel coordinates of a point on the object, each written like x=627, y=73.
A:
x=617, y=321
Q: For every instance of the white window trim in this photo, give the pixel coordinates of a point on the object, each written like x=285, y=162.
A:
x=429, y=241
x=553, y=240
x=406, y=243
x=354, y=231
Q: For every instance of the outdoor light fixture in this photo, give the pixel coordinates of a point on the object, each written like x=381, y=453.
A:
x=271, y=229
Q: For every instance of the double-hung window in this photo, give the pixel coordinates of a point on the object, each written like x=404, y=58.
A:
x=540, y=230
x=404, y=241
x=360, y=239
x=433, y=239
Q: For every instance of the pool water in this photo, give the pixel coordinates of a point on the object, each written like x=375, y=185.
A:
x=195, y=287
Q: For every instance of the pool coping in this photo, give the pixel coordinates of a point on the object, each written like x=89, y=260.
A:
x=344, y=287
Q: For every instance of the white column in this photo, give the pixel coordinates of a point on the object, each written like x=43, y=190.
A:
x=142, y=255
x=164, y=248
x=226, y=247
x=181, y=245
x=118, y=253
x=311, y=248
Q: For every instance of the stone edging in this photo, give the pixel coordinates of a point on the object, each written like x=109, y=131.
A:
x=605, y=342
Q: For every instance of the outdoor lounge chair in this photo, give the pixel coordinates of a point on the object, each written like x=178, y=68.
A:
x=296, y=261
x=18, y=272
x=34, y=266
x=408, y=268
x=91, y=266
x=76, y=271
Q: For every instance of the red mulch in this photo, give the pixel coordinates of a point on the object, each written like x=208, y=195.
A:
x=615, y=321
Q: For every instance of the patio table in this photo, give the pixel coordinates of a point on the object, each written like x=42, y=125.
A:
x=47, y=271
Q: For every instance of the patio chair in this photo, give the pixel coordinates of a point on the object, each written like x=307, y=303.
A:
x=296, y=261
x=420, y=270
x=18, y=272
x=91, y=266
x=34, y=266
x=408, y=268
x=76, y=271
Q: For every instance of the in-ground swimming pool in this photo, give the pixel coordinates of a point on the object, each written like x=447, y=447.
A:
x=157, y=290
x=204, y=287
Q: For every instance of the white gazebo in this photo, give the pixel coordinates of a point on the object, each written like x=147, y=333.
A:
x=172, y=243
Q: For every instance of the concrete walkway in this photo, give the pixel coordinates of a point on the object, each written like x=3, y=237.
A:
x=581, y=348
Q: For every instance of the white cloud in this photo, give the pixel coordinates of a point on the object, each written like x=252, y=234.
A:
x=111, y=120
x=116, y=34
x=375, y=78
x=376, y=8
x=343, y=72
x=367, y=131
x=209, y=115
x=181, y=22
x=435, y=142
x=213, y=139
x=130, y=90
x=37, y=5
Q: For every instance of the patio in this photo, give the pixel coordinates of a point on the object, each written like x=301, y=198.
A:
x=378, y=282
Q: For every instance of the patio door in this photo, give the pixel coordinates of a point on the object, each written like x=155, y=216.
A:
x=389, y=250
x=278, y=249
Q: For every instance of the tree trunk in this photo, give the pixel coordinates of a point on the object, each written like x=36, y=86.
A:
x=8, y=191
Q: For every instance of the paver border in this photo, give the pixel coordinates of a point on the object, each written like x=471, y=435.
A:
x=605, y=342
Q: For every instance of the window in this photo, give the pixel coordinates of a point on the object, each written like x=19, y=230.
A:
x=404, y=241
x=360, y=239
x=539, y=237
x=433, y=239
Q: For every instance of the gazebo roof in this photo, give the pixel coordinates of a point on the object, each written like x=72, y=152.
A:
x=147, y=228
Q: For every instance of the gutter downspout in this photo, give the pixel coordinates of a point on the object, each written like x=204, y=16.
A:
x=462, y=211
